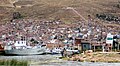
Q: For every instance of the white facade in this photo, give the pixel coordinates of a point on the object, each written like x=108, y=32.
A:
x=109, y=39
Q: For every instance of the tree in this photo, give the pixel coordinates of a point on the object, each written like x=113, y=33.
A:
x=16, y=15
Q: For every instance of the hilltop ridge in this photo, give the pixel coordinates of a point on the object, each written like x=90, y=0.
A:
x=50, y=9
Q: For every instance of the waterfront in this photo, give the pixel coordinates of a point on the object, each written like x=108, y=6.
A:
x=31, y=58
x=53, y=60
x=73, y=63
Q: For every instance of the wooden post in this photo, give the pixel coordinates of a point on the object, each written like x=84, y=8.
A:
x=94, y=47
x=78, y=46
x=103, y=48
x=118, y=46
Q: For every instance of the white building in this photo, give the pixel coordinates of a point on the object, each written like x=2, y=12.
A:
x=109, y=38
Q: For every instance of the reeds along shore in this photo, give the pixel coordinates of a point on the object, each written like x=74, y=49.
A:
x=13, y=63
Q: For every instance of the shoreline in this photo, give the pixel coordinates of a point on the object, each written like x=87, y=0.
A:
x=46, y=60
x=107, y=57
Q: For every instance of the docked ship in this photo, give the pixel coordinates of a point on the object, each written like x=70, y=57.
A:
x=21, y=48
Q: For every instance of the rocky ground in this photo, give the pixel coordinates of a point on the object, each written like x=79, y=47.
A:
x=96, y=57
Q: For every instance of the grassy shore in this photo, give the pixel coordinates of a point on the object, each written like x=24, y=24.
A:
x=13, y=63
x=95, y=57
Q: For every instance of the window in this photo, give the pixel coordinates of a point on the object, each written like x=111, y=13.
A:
x=18, y=42
x=84, y=46
x=22, y=42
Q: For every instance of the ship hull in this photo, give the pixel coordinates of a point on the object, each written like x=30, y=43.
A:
x=25, y=51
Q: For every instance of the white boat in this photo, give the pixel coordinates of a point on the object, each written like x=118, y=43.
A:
x=53, y=51
x=23, y=49
x=56, y=50
x=48, y=51
x=72, y=50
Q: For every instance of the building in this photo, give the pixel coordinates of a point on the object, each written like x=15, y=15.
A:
x=82, y=44
x=86, y=45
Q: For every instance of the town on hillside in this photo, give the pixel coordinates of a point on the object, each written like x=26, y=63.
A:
x=59, y=32
x=81, y=35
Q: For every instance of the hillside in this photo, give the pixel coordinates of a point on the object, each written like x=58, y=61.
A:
x=50, y=9
x=4, y=2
